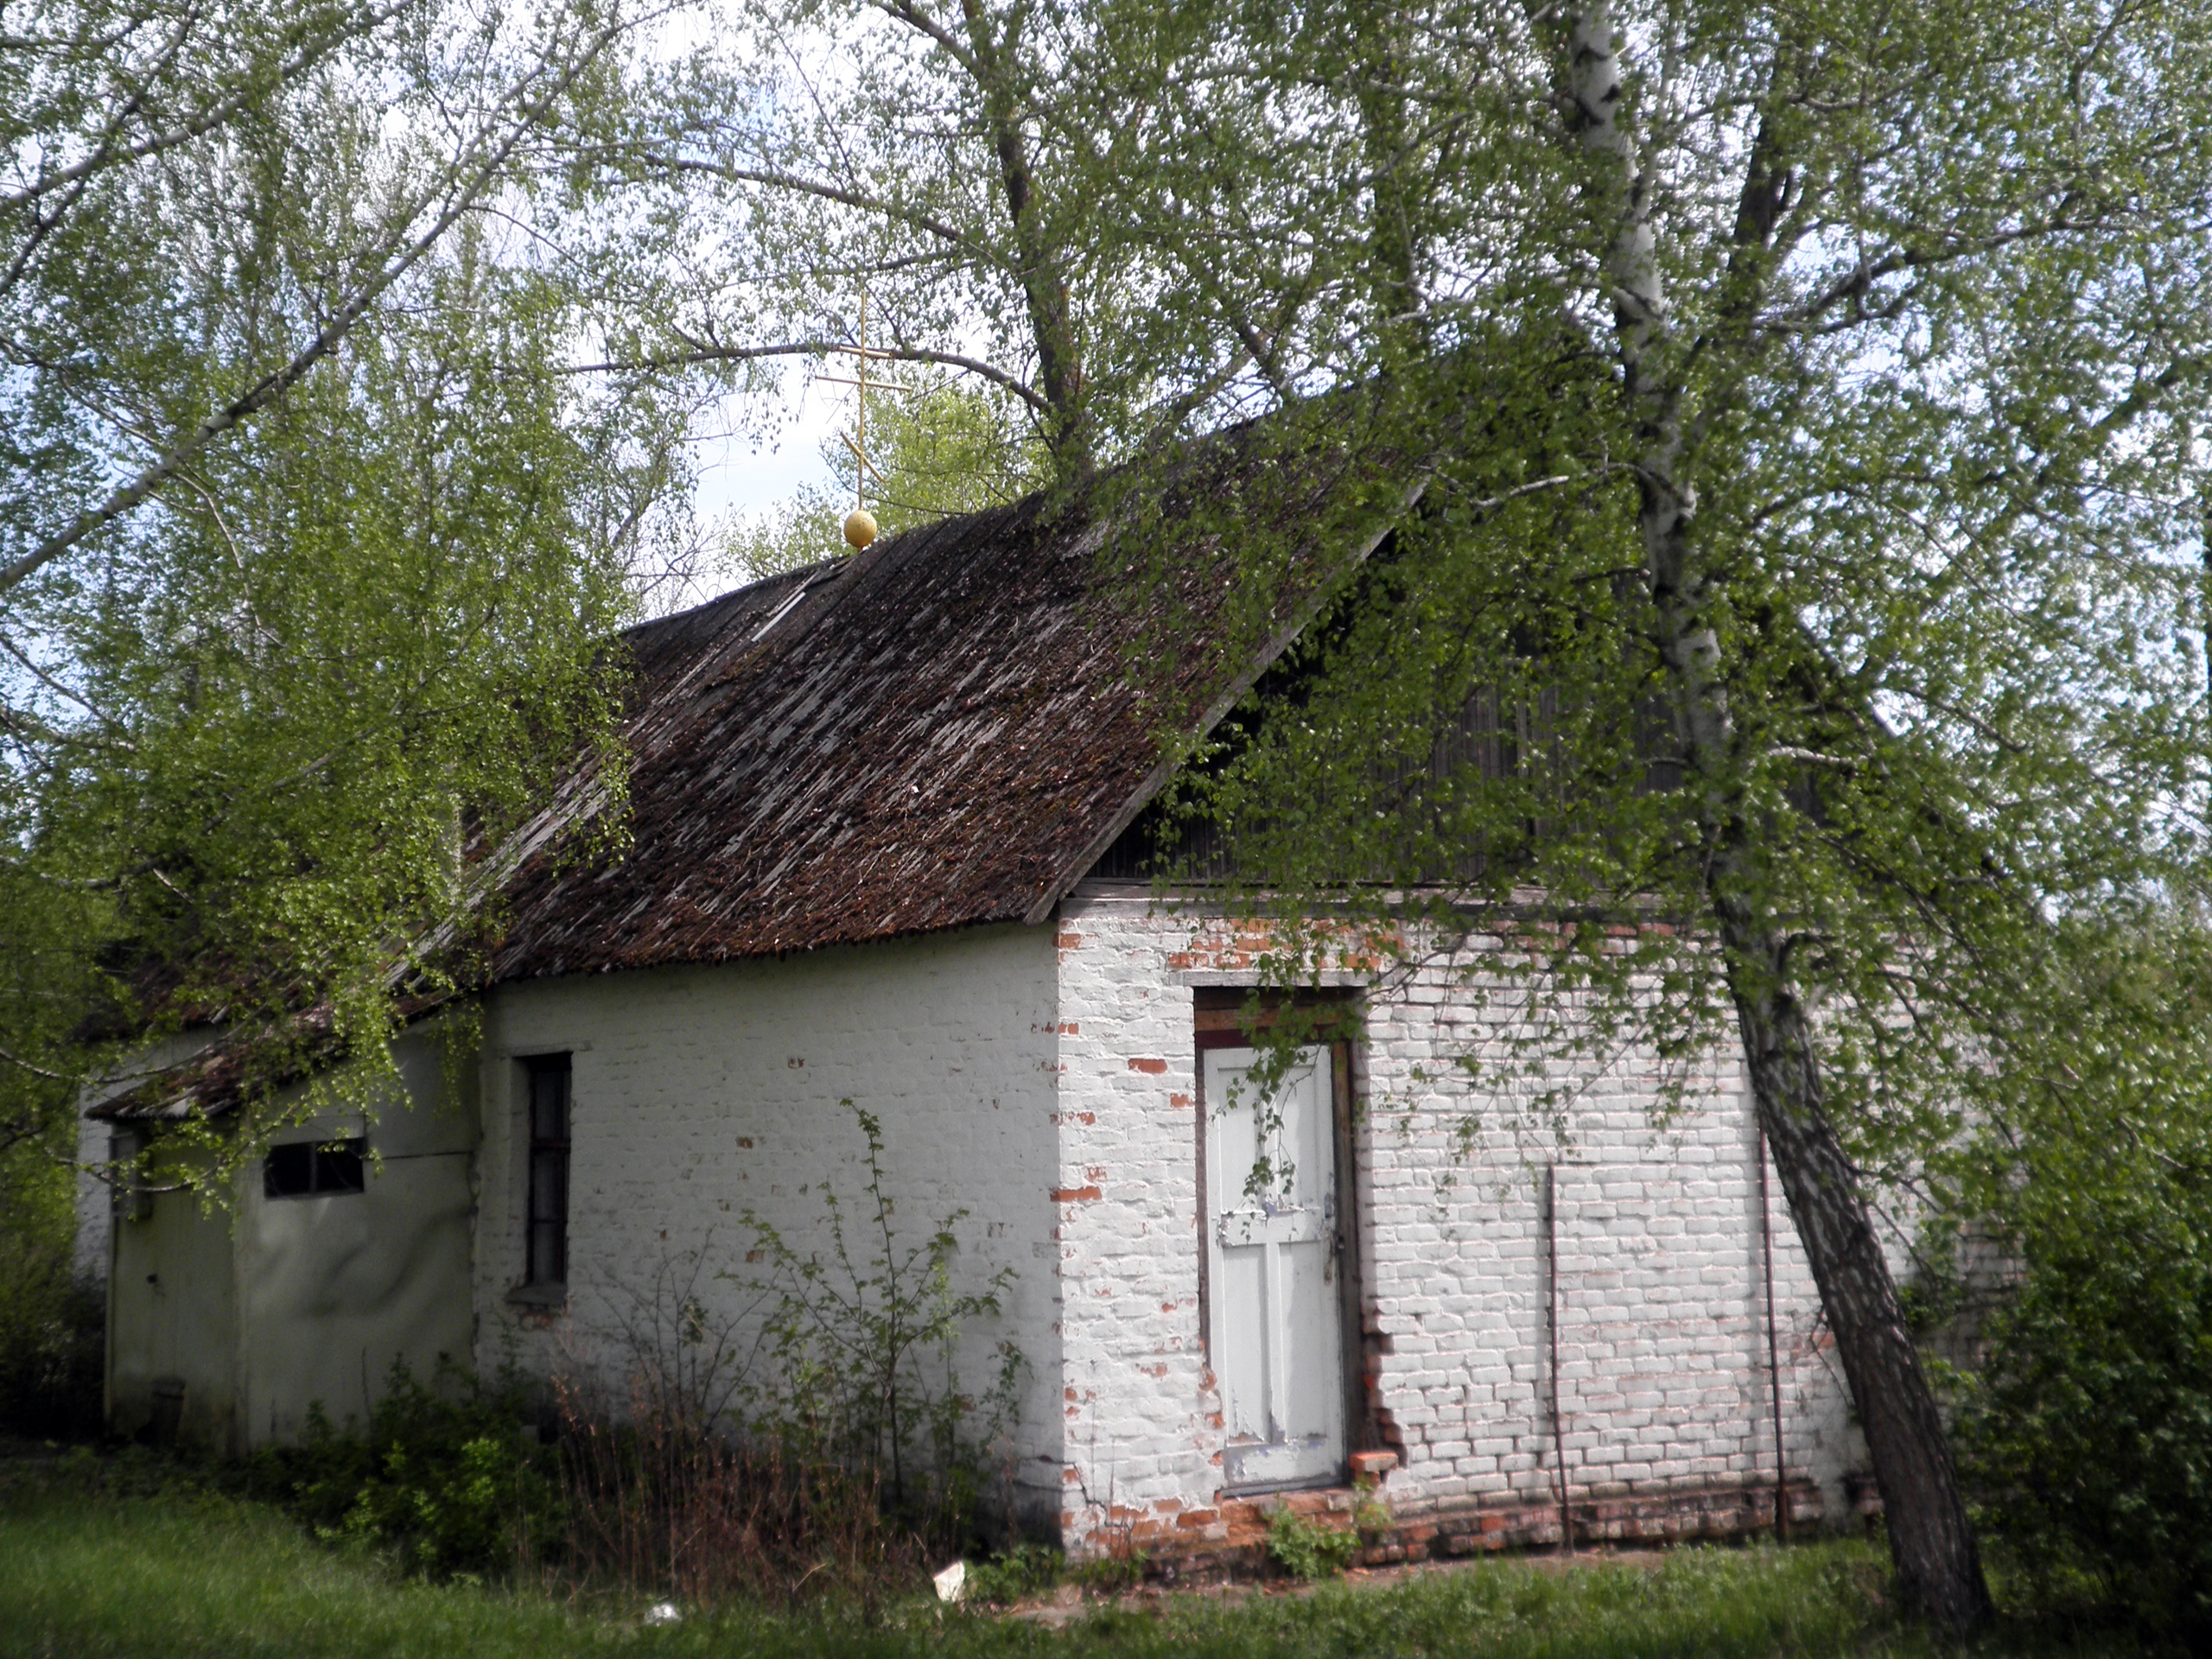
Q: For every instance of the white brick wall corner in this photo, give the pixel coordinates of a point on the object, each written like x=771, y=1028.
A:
x=1664, y=1377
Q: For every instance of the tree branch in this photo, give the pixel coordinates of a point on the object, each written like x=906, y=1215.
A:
x=22, y=1065
x=273, y=385
x=207, y=120
x=776, y=180
x=710, y=351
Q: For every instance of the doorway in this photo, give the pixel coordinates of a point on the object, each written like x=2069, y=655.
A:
x=1279, y=1262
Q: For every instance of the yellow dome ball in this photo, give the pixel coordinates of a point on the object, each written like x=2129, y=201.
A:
x=860, y=527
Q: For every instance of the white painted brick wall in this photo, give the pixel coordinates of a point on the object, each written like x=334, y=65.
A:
x=1044, y=1081
x=1142, y=1428
x=1042, y=1078
x=1664, y=1383
x=699, y=1093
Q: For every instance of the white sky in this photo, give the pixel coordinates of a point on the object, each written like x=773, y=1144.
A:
x=753, y=473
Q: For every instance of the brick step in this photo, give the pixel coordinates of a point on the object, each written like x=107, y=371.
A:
x=1449, y=1530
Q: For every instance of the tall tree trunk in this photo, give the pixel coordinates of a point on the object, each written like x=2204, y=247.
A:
x=1378, y=68
x=1044, y=285
x=1939, y=1570
x=1938, y=1566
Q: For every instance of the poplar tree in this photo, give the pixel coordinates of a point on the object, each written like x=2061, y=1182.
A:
x=957, y=166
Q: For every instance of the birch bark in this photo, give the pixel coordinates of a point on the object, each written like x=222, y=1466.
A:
x=1938, y=1566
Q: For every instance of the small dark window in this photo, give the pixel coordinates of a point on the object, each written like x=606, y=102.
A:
x=548, y=1246
x=315, y=1169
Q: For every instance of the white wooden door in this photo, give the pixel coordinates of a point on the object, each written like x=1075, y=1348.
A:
x=1274, y=1328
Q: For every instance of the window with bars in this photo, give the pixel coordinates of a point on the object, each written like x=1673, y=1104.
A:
x=547, y=1246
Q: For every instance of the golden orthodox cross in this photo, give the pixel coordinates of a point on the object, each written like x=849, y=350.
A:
x=860, y=523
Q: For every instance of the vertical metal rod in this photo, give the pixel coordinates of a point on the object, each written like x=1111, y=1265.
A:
x=1551, y=1331
x=2204, y=502
x=1773, y=1351
x=860, y=449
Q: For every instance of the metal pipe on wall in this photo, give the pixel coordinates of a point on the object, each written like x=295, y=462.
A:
x=1551, y=1332
x=1773, y=1353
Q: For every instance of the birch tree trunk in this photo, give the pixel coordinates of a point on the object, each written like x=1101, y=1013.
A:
x=1939, y=1569
x=1938, y=1566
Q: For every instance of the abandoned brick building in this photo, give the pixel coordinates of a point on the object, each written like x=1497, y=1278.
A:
x=872, y=803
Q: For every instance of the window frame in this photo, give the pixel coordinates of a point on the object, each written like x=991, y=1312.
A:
x=546, y=1164
x=336, y=1168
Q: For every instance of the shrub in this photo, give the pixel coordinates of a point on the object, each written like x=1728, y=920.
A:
x=52, y=1322
x=836, y=1455
x=1308, y=1548
x=2086, y=1434
x=53, y=1336
x=862, y=1348
x=672, y=1486
x=447, y=1477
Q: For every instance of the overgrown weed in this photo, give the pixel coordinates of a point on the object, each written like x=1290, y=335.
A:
x=816, y=1444
x=1015, y=1574
x=1308, y=1548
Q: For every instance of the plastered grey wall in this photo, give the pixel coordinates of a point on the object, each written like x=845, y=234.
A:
x=266, y=1305
x=173, y=1318
x=1664, y=1384
x=94, y=1197
x=699, y=1093
x=331, y=1291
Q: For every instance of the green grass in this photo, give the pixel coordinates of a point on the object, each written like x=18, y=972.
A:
x=179, y=1572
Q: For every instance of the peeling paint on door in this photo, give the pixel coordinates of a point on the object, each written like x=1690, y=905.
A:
x=1275, y=1335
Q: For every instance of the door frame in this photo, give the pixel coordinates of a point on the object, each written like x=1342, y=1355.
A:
x=1221, y=1020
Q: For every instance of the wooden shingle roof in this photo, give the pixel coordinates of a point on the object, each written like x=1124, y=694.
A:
x=945, y=730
